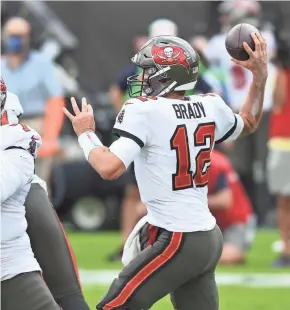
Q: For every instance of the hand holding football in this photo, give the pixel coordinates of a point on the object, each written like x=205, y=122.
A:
x=235, y=38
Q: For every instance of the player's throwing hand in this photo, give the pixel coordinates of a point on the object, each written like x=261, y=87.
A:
x=257, y=63
x=83, y=120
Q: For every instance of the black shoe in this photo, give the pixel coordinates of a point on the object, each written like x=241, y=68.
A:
x=282, y=261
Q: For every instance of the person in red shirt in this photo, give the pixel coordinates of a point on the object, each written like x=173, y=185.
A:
x=232, y=209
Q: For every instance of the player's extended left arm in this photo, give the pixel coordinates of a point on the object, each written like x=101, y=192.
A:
x=252, y=108
x=110, y=162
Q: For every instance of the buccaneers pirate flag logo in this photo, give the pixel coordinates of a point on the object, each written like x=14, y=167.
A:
x=170, y=55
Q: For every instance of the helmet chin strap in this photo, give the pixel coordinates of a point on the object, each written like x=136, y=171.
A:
x=167, y=89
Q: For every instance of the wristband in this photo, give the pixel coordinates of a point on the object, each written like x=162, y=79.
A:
x=89, y=141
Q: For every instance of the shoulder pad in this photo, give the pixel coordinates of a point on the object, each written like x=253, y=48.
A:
x=13, y=103
x=19, y=135
x=140, y=99
x=209, y=95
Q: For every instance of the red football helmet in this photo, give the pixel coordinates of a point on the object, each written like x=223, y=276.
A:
x=3, y=94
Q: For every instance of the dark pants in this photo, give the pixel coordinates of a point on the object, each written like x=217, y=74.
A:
x=53, y=251
x=180, y=264
x=26, y=291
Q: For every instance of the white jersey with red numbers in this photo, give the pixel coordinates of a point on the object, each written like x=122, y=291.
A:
x=175, y=139
x=19, y=144
x=237, y=79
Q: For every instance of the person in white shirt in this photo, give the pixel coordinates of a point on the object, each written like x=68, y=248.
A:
x=22, y=286
x=251, y=165
x=170, y=138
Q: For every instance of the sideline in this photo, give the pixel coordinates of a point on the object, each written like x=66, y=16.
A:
x=105, y=277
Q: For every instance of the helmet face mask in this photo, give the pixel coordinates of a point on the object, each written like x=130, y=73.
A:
x=169, y=64
x=139, y=84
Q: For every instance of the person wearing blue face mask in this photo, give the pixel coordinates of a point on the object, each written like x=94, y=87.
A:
x=31, y=76
x=16, y=44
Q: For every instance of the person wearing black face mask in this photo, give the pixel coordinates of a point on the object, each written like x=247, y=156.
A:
x=31, y=76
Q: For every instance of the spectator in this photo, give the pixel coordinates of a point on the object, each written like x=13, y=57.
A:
x=162, y=26
x=279, y=155
x=249, y=156
x=31, y=77
x=232, y=209
x=209, y=79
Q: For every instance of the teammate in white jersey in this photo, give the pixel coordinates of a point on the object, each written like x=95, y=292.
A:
x=22, y=286
x=48, y=238
x=170, y=138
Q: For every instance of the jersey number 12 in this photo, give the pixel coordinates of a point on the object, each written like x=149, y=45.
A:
x=184, y=177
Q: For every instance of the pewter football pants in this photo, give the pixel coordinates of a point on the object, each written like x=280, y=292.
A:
x=53, y=251
x=27, y=291
x=180, y=264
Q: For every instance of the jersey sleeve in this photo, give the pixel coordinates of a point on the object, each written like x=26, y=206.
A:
x=131, y=122
x=229, y=125
x=17, y=169
x=126, y=150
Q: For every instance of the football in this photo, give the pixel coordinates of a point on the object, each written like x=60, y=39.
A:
x=235, y=38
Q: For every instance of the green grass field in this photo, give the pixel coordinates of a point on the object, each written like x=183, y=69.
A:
x=92, y=250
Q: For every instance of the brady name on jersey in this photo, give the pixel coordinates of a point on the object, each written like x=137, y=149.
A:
x=189, y=110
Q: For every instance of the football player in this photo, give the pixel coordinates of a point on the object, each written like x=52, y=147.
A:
x=170, y=138
x=48, y=239
x=22, y=286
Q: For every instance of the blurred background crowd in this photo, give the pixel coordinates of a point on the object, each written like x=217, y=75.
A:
x=51, y=52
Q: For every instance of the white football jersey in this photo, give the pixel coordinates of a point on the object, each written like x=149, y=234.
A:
x=19, y=144
x=172, y=169
x=236, y=78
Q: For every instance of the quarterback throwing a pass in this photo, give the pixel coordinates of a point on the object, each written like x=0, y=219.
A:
x=170, y=138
